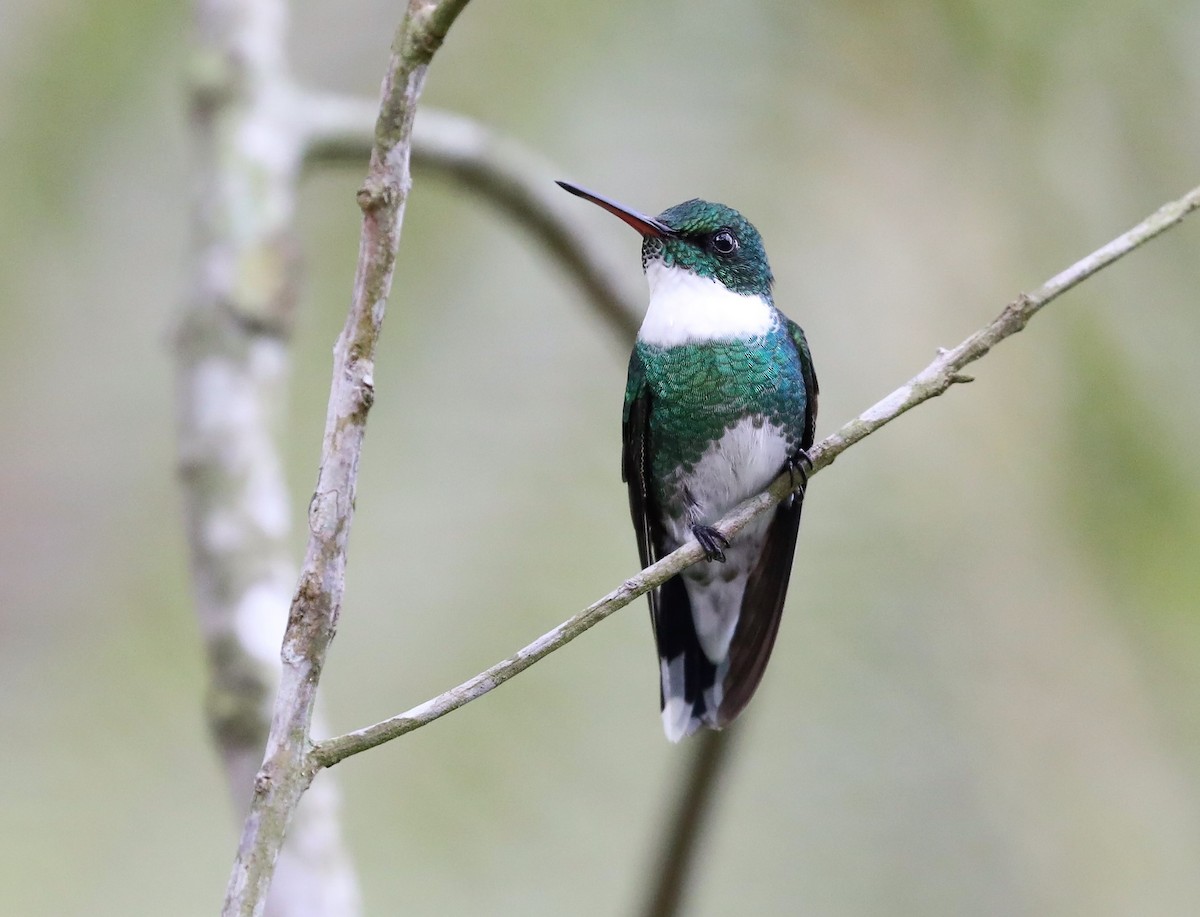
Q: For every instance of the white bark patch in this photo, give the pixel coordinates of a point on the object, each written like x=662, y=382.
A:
x=260, y=618
x=883, y=410
x=686, y=308
x=265, y=499
x=224, y=531
x=220, y=398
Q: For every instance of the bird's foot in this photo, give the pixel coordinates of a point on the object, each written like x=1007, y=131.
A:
x=799, y=466
x=712, y=541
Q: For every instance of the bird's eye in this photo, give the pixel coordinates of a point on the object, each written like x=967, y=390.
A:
x=724, y=242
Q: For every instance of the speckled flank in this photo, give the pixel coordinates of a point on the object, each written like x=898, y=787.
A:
x=703, y=390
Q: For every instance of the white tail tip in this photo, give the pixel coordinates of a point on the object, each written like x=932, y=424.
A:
x=677, y=719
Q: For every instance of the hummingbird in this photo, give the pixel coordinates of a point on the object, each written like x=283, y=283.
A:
x=721, y=398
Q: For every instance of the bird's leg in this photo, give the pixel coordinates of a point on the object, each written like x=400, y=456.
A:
x=712, y=541
x=799, y=465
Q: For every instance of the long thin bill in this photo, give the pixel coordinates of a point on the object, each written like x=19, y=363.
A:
x=647, y=226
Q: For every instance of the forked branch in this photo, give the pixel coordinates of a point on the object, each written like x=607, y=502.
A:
x=286, y=770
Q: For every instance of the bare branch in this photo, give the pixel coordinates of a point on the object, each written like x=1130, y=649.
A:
x=516, y=180
x=232, y=367
x=710, y=755
x=946, y=370
x=935, y=379
x=285, y=774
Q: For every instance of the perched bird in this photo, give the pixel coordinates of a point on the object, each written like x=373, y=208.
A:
x=721, y=398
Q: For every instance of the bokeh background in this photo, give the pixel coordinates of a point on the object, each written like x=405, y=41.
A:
x=986, y=695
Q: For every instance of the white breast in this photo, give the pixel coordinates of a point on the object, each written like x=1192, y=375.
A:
x=686, y=308
x=733, y=469
x=736, y=467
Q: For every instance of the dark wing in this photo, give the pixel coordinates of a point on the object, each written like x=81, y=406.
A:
x=670, y=607
x=767, y=584
x=636, y=463
x=762, y=608
x=811, y=389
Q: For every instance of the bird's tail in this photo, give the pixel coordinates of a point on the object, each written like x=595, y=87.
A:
x=682, y=715
x=691, y=683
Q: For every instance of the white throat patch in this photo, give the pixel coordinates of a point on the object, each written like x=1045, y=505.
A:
x=686, y=308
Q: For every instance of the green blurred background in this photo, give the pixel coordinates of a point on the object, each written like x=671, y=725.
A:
x=986, y=695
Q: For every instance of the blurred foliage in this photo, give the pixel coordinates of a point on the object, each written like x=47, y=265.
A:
x=984, y=698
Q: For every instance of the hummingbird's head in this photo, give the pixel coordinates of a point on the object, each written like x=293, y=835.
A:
x=706, y=239
x=713, y=241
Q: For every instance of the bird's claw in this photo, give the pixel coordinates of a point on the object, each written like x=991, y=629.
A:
x=712, y=541
x=799, y=466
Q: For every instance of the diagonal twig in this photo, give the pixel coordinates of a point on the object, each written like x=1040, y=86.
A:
x=932, y=381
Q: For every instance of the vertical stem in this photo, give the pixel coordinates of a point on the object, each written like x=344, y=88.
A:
x=288, y=767
x=232, y=371
x=687, y=822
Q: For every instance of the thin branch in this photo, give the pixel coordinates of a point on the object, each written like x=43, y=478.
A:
x=516, y=180
x=691, y=809
x=285, y=773
x=333, y=750
x=932, y=381
x=338, y=129
x=232, y=366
